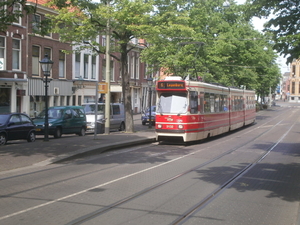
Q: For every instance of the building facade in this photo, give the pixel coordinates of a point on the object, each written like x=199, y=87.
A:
x=294, y=82
x=73, y=78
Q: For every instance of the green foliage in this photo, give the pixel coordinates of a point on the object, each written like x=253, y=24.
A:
x=284, y=24
x=12, y=10
x=199, y=38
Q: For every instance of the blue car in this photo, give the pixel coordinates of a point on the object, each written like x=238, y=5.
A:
x=15, y=126
x=145, y=115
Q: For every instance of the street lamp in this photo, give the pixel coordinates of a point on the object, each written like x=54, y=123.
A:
x=46, y=65
x=150, y=82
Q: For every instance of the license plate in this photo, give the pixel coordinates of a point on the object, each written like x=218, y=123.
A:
x=38, y=129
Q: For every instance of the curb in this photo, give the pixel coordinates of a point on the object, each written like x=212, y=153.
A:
x=94, y=149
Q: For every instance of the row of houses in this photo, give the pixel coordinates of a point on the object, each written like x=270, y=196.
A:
x=73, y=77
x=290, y=84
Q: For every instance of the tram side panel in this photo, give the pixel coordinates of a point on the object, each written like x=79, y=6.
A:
x=250, y=107
x=209, y=110
x=237, y=114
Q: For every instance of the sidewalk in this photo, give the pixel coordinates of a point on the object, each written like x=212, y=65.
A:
x=19, y=154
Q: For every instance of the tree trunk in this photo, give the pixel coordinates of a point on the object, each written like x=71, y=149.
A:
x=126, y=92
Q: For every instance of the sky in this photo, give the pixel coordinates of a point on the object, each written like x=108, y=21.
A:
x=258, y=25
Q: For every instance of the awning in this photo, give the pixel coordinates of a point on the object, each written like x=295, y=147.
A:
x=12, y=80
x=115, y=88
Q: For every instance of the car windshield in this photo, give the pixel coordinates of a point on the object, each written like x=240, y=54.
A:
x=172, y=103
x=52, y=114
x=90, y=109
x=153, y=109
x=3, y=119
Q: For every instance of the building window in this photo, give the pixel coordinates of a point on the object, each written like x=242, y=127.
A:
x=35, y=60
x=135, y=92
x=104, y=70
x=128, y=64
x=77, y=65
x=86, y=66
x=94, y=67
x=293, y=70
x=36, y=23
x=103, y=40
x=62, y=64
x=16, y=50
x=293, y=88
x=2, y=53
x=137, y=67
x=48, y=52
x=132, y=61
x=17, y=10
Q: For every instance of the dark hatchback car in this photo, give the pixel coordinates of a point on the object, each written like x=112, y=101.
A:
x=145, y=115
x=15, y=126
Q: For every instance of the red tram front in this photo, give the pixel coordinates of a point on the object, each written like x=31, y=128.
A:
x=193, y=110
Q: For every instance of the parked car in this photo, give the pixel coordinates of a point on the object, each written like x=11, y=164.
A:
x=145, y=115
x=15, y=126
x=62, y=120
x=117, y=116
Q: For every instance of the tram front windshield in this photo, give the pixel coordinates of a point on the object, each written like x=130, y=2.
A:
x=172, y=103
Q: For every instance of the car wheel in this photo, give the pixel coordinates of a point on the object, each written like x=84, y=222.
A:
x=122, y=127
x=82, y=132
x=57, y=132
x=3, y=139
x=31, y=137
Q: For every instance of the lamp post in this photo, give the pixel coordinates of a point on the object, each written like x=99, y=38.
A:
x=150, y=82
x=46, y=65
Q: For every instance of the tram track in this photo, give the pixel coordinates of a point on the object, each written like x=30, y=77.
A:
x=177, y=176
x=211, y=196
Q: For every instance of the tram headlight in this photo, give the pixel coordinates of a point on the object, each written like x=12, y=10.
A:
x=180, y=126
x=159, y=126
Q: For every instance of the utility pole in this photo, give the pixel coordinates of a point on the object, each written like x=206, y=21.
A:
x=107, y=77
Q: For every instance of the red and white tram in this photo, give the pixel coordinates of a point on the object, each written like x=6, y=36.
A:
x=194, y=110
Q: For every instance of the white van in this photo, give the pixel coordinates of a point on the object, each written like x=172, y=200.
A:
x=117, y=116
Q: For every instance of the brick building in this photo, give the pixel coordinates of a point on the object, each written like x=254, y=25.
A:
x=73, y=76
x=294, y=82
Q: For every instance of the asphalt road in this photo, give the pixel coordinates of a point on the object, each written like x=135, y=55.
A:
x=250, y=176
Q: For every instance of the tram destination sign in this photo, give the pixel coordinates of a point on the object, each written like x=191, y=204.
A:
x=171, y=85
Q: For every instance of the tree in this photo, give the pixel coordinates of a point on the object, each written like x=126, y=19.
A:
x=79, y=21
x=11, y=11
x=284, y=24
x=232, y=52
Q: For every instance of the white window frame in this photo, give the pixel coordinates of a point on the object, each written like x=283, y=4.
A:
x=137, y=67
x=94, y=67
x=16, y=52
x=3, y=50
x=132, y=66
x=35, y=61
x=77, y=64
x=62, y=65
x=86, y=62
x=103, y=40
x=18, y=7
x=112, y=72
x=36, y=22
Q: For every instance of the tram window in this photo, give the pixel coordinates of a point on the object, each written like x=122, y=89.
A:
x=172, y=103
x=206, y=103
x=201, y=102
x=217, y=103
x=212, y=103
x=194, y=101
x=241, y=103
x=226, y=103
